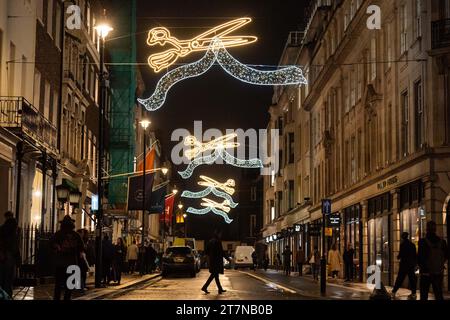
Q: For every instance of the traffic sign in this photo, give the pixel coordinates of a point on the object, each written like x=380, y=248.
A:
x=326, y=206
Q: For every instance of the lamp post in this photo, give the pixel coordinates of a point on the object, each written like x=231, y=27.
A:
x=103, y=30
x=185, y=224
x=144, y=124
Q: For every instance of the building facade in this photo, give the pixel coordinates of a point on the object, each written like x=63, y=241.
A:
x=370, y=131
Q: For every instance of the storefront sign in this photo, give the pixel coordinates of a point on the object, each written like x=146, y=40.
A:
x=386, y=183
x=326, y=206
x=329, y=232
x=334, y=220
x=298, y=228
x=94, y=202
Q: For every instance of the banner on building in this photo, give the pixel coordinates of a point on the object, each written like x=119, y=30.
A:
x=149, y=161
x=157, y=202
x=136, y=192
x=168, y=211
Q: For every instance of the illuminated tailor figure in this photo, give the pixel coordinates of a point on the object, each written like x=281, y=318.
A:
x=220, y=209
x=219, y=146
x=216, y=51
x=181, y=48
x=213, y=186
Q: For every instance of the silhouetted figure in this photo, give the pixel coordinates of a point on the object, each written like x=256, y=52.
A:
x=214, y=251
x=83, y=261
x=107, y=259
x=433, y=253
x=68, y=247
x=9, y=253
x=150, y=257
x=315, y=264
x=300, y=260
x=254, y=260
x=348, y=256
x=408, y=262
x=287, y=255
x=118, y=260
x=266, y=260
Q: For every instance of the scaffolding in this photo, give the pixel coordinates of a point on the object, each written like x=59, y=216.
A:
x=122, y=50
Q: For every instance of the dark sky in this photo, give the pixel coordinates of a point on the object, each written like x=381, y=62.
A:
x=216, y=98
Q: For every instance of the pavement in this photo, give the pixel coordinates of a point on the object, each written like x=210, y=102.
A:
x=240, y=285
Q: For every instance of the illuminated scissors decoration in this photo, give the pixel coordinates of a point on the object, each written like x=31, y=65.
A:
x=213, y=186
x=199, y=147
x=228, y=186
x=203, y=42
x=220, y=209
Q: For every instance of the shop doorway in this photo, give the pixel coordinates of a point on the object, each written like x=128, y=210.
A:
x=4, y=189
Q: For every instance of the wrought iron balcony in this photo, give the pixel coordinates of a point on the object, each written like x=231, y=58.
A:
x=440, y=34
x=21, y=117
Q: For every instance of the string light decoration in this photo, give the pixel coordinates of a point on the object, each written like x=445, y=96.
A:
x=219, y=145
x=212, y=186
x=291, y=75
x=221, y=209
x=182, y=48
x=219, y=153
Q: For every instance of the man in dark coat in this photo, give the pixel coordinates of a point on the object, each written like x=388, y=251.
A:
x=107, y=259
x=214, y=251
x=68, y=247
x=408, y=262
x=9, y=253
x=348, y=256
x=432, y=255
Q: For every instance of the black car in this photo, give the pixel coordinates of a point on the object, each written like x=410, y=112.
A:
x=179, y=260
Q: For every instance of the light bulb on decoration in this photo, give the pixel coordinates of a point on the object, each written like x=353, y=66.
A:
x=219, y=153
x=212, y=187
x=182, y=48
x=145, y=123
x=291, y=75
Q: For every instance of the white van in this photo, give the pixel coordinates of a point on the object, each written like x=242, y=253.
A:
x=243, y=257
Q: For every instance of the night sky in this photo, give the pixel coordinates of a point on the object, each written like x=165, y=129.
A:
x=215, y=98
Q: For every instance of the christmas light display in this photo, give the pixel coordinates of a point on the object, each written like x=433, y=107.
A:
x=199, y=147
x=212, y=187
x=219, y=153
x=182, y=48
x=220, y=209
x=291, y=75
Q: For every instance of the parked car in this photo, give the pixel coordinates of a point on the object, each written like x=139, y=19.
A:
x=198, y=260
x=179, y=259
x=243, y=257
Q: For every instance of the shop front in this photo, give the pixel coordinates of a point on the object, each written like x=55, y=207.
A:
x=353, y=235
x=379, y=235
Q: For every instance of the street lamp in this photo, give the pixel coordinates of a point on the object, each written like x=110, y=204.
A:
x=145, y=123
x=180, y=206
x=175, y=190
x=103, y=29
x=185, y=224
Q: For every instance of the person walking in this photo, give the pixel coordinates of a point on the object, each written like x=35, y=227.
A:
x=348, y=256
x=335, y=261
x=277, y=259
x=254, y=260
x=132, y=256
x=408, y=262
x=300, y=260
x=83, y=262
x=107, y=259
x=118, y=260
x=214, y=251
x=68, y=247
x=9, y=253
x=432, y=255
x=266, y=260
x=315, y=264
x=150, y=257
x=287, y=255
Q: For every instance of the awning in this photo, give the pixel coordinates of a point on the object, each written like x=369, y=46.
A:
x=70, y=185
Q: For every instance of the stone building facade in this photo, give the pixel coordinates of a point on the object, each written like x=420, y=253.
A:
x=370, y=131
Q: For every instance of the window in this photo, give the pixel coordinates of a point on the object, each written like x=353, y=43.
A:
x=291, y=146
x=272, y=211
x=47, y=100
x=58, y=25
x=403, y=29
x=419, y=115
x=291, y=195
x=40, y=10
x=50, y=17
x=37, y=88
x=279, y=203
x=55, y=107
x=23, y=80
x=360, y=73
x=352, y=87
x=405, y=123
x=253, y=193
x=373, y=59
x=353, y=159
x=12, y=68
x=418, y=18
x=252, y=225
x=388, y=38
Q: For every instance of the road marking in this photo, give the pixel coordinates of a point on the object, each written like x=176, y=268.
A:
x=269, y=282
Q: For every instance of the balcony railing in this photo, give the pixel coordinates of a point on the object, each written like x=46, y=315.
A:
x=20, y=116
x=440, y=34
